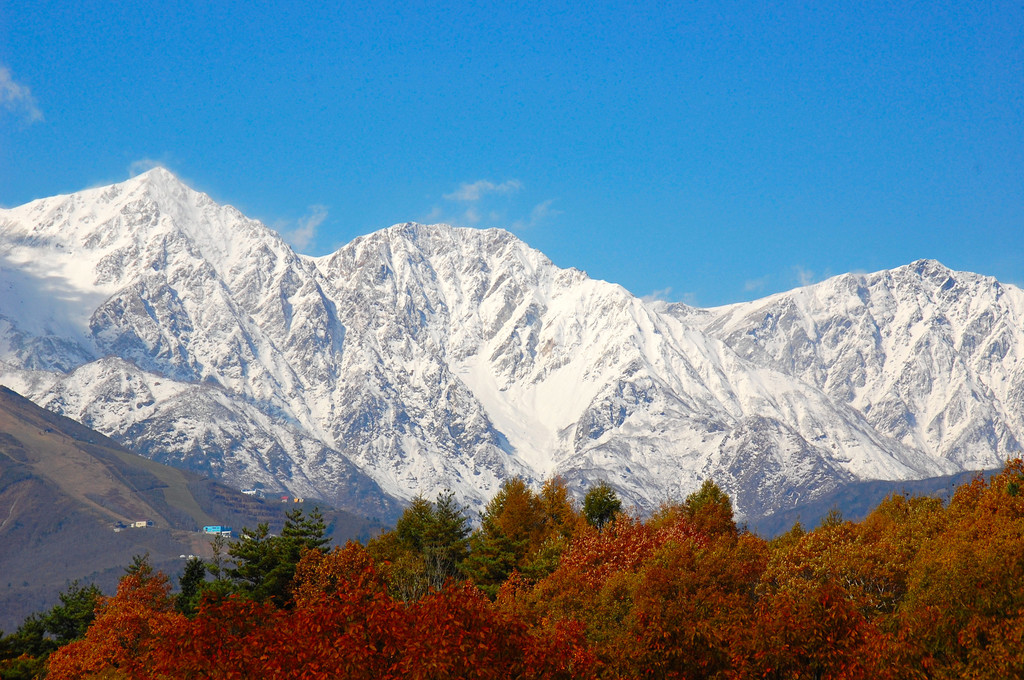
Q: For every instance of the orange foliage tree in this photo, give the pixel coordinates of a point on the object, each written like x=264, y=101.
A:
x=126, y=630
x=662, y=598
x=964, y=609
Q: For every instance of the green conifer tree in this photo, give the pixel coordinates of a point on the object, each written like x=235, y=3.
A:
x=445, y=540
x=191, y=584
x=600, y=505
x=265, y=564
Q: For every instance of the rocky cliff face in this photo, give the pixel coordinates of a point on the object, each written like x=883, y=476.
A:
x=423, y=357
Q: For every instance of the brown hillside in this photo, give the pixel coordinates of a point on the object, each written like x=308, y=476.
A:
x=63, y=490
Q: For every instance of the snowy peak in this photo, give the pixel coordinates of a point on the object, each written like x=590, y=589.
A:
x=133, y=226
x=931, y=356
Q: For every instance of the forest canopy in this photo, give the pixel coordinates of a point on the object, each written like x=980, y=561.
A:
x=545, y=588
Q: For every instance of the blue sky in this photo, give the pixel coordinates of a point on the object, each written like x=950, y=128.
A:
x=704, y=152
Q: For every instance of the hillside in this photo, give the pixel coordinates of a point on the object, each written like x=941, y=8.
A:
x=64, y=488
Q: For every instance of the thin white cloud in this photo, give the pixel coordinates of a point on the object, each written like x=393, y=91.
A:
x=804, y=276
x=663, y=295
x=485, y=203
x=751, y=285
x=472, y=192
x=540, y=212
x=142, y=165
x=303, y=235
x=17, y=98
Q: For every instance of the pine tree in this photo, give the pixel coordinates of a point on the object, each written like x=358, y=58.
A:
x=426, y=548
x=412, y=526
x=511, y=526
x=600, y=505
x=140, y=566
x=24, y=653
x=303, y=531
x=265, y=564
x=191, y=584
x=492, y=558
x=256, y=557
x=71, y=618
x=445, y=540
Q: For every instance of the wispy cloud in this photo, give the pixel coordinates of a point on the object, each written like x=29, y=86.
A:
x=663, y=295
x=539, y=213
x=471, y=216
x=17, y=98
x=804, y=277
x=666, y=295
x=750, y=285
x=487, y=203
x=142, y=165
x=303, y=235
x=472, y=192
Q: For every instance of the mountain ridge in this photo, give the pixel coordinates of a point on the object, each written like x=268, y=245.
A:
x=423, y=357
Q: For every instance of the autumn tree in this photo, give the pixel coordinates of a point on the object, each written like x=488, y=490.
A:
x=560, y=512
x=457, y=633
x=810, y=630
x=829, y=600
x=963, y=613
x=593, y=585
x=562, y=518
x=710, y=509
x=917, y=589
x=694, y=599
x=127, y=627
x=319, y=575
x=344, y=624
x=511, y=527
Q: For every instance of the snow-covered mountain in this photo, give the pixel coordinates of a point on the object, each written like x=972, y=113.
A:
x=423, y=357
x=933, y=358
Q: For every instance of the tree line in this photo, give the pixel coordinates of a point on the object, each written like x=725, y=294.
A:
x=546, y=587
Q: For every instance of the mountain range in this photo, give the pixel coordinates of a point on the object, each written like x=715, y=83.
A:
x=425, y=357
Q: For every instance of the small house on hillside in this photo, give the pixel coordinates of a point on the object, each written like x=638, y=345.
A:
x=218, y=530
